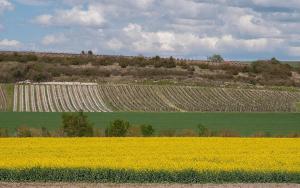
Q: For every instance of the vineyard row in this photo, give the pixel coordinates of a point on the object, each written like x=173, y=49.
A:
x=140, y=98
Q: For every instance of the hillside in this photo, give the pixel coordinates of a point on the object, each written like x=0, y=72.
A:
x=47, y=67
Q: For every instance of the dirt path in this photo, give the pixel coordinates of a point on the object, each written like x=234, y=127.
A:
x=86, y=185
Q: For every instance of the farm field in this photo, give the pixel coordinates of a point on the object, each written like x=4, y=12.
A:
x=92, y=97
x=150, y=160
x=244, y=123
x=3, y=99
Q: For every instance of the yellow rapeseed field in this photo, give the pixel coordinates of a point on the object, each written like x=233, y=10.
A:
x=247, y=154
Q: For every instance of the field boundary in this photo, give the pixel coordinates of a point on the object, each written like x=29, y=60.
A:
x=134, y=176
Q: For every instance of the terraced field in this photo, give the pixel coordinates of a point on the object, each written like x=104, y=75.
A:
x=91, y=97
x=3, y=99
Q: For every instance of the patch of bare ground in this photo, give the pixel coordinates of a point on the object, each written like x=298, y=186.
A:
x=91, y=185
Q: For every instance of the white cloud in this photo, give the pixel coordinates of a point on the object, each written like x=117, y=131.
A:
x=256, y=26
x=278, y=3
x=294, y=51
x=44, y=19
x=175, y=27
x=5, y=5
x=114, y=44
x=92, y=17
x=5, y=43
x=189, y=43
x=54, y=39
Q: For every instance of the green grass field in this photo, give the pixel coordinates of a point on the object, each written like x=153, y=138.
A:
x=243, y=123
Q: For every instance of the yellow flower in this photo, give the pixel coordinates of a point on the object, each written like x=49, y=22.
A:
x=247, y=154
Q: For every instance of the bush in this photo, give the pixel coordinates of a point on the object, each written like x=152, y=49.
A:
x=23, y=131
x=4, y=132
x=202, y=130
x=167, y=133
x=117, y=128
x=76, y=125
x=147, y=130
x=187, y=133
x=216, y=58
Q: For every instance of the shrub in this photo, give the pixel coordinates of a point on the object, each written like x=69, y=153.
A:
x=167, y=133
x=134, y=131
x=228, y=133
x=4, y=132
x=187, y=133
x=216, y=58
x=117, y=128
x=23, y=131
x=147, y=130
x=76, y=125
x=202, y=130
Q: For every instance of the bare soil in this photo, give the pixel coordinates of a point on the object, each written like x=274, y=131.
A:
x=88, y=185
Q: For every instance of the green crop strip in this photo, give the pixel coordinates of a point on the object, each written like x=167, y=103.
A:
x=130, y=176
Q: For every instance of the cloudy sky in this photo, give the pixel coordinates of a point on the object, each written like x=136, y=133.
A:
x=237, y=29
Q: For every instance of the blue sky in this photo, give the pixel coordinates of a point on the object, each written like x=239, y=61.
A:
x=237, y=29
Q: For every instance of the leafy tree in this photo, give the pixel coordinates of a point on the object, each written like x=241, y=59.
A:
x=90, y=52
x=45, y=132
x=147, y=130
x=202, y=130
x=216, y=58
x=117, y=128
x=76, y=125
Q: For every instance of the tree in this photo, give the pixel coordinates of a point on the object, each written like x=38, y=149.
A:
x=117, y=128
x=202, y=130
x=147, y=130
x=76, y=125
x=170, y=63
x=90, y=52
x=216, y=58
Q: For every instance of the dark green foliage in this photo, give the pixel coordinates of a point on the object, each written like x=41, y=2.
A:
x=202, y=130
x=45, y=132
x=216, y=58
x=132, y=176
x=117, y=128
x=76, y=125
x=90, y=52
x=4, y=132
x=147, y=130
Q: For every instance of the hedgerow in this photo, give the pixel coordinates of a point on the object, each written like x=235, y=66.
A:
x=131, y=176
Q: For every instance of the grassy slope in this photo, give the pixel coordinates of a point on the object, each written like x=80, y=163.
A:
x=244, y=123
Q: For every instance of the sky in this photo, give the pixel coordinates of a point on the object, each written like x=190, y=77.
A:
x=193, y=29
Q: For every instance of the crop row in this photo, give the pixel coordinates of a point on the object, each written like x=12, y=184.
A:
x=57, y=98
x=3, y=99
x=183, y=98
x=140, y=98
